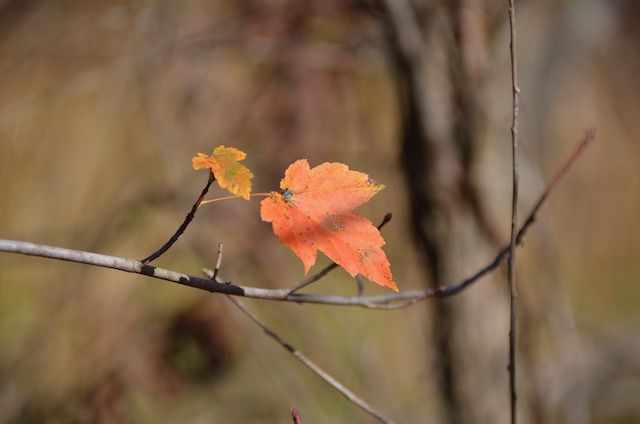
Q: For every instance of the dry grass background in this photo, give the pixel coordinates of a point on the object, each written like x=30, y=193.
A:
x=102, y=104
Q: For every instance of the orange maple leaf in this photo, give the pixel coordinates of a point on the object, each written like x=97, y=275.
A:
x=314, y=212
x=229, y=172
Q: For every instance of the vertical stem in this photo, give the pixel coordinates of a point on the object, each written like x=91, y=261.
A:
x=183, y=226
x=514, y=218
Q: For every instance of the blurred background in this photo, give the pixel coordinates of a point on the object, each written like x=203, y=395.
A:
x=102, y=105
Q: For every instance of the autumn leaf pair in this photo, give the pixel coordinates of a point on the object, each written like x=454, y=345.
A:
x=313, y=211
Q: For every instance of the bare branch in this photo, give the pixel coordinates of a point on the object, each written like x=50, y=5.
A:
x=183, y=226
x=513, y=294
x=588, y=137
x=315, y=277
x=335, y=384
x=386, y=301
x=329, y=379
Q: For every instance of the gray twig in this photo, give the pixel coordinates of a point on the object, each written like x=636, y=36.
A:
x=214, y=276
x=513, y=294
x=328, y=378
x=348, y=394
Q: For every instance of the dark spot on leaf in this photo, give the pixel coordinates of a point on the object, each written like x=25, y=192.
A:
x=287, y=194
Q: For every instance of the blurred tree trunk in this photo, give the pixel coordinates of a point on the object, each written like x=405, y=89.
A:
x=439, y=146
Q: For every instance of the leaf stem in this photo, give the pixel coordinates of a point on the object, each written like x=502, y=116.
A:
x=219, y=199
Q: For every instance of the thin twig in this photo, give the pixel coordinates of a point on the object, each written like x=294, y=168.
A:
x=330, y=380
x=327, y=269
x=183, y=226
x=398, y=300
x=214, y=277
x=513, y=294
x=589, y=136
x=360, y=284
x=385, y=301
x=295, y=415
x=335, y=384
x=315, y=277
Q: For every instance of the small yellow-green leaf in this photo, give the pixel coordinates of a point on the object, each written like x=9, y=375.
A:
x=229, y=172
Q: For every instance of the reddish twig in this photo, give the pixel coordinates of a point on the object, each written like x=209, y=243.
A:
x=183, y=226
x=589, y=136
x=295, y=415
